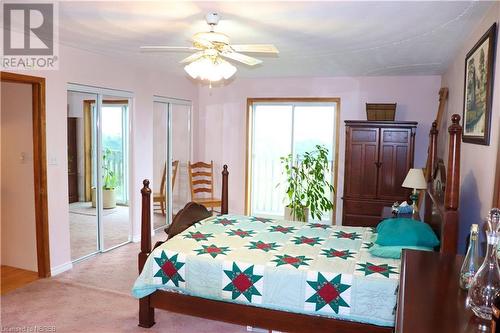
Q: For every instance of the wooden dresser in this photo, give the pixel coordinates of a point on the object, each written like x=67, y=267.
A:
x=430, y=299
x=377, y=158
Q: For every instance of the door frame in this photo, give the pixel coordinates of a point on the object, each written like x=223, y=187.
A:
x=39, y=166
x=249, y=138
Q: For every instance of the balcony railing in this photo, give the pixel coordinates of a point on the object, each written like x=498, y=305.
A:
x=269, y=187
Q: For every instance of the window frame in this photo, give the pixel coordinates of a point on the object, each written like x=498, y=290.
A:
x=251, y=102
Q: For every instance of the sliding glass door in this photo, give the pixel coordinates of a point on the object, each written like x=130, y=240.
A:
x=98, y=169
x=171, y=155
x=302, y=126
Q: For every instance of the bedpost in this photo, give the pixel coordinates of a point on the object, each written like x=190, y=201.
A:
x=453, y=171
x=145, y=224
x=146, y=312
x=225, y=203
x=452, y=190
x=433, y=134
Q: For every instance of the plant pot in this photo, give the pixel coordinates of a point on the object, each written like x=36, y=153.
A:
x=289, y=217
x=108, y=198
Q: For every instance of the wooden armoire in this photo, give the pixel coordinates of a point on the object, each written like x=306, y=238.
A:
x=377, y=158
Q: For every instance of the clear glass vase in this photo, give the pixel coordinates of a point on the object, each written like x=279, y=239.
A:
x=486, y=282
x=471, y=261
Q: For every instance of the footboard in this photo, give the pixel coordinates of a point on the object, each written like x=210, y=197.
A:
x=189, y=215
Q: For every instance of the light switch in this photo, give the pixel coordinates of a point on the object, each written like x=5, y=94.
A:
x=52, y=160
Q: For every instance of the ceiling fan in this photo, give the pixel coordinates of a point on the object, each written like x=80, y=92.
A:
x=211, y=47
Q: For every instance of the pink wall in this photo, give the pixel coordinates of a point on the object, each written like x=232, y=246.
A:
x=17, y=199
x=82, y=67
x=221, y=127
x=477, y=162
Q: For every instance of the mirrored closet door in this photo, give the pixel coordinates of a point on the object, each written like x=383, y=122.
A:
x=171, y=154
x=98, y=169
x=82, y=173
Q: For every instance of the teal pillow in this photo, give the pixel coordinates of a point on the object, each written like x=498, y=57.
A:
x=393, y=252
x=405, y=232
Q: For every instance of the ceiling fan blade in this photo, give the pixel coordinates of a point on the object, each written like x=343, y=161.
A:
x=193, y=57
x=162, y=48
x=256, y=48
x=202, y=42
x=242, y=58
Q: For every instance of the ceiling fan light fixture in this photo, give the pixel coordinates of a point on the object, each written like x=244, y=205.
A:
x=211, y=69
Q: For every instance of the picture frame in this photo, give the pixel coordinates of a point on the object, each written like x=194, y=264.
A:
x=478, y=89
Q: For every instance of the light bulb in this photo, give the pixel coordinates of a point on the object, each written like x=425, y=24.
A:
x=210, y=69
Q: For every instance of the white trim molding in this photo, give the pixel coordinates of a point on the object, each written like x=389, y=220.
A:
x=61, y=268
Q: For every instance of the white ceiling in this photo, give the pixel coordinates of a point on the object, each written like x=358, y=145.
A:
x=314, y=38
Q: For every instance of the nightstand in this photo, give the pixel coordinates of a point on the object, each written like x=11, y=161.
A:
x=430, y=299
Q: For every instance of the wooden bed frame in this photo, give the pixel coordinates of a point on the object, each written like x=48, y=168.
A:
x=444, y=221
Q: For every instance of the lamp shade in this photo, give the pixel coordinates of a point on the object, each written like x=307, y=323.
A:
x=415, y=179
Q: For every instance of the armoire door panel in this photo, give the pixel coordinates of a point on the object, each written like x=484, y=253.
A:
x=394, y=163
x=361, y=163
x=369, y=175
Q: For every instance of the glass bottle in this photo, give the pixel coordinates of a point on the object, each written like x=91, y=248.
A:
x=486, y=282
x=471, y=261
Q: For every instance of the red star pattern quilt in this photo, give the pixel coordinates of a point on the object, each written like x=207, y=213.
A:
x=291, y=266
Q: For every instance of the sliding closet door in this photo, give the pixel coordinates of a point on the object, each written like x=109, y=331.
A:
x=171, y=154
x=98, y=169
x=82, y=173
x=181, y=155
x=160, y=170
x=115, y=171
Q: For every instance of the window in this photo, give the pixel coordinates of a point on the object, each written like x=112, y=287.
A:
x=276, y=129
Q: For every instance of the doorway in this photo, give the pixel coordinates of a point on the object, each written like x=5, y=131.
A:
x=39, y=162
x=98, y=169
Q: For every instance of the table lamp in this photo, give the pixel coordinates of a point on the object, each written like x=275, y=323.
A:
x=415, y=179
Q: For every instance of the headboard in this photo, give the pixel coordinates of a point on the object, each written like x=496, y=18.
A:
x=443, y=189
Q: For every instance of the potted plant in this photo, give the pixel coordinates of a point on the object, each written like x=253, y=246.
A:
x=110, y=182
x=308, y=191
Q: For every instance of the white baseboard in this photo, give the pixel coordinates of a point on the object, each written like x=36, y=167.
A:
x=61, y=268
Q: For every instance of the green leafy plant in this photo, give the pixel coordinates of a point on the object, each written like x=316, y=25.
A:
x=109, y=176
x=307, y=185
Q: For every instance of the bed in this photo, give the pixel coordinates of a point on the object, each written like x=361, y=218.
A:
x=281, y=275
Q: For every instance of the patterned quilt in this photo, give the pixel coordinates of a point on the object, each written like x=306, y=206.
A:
x=291, y=266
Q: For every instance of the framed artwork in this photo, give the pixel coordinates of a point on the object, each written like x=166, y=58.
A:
x=478, y=89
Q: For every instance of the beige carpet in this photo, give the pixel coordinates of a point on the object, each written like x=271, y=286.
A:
x=83, y=228
x=95, y=297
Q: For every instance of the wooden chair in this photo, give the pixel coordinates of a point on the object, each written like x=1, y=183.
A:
x=201, y=180
x=161, y=197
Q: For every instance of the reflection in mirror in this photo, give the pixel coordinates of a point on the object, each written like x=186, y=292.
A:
x=81, y=137
x=160, y=111
x=181, y=155
x=114, y=171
